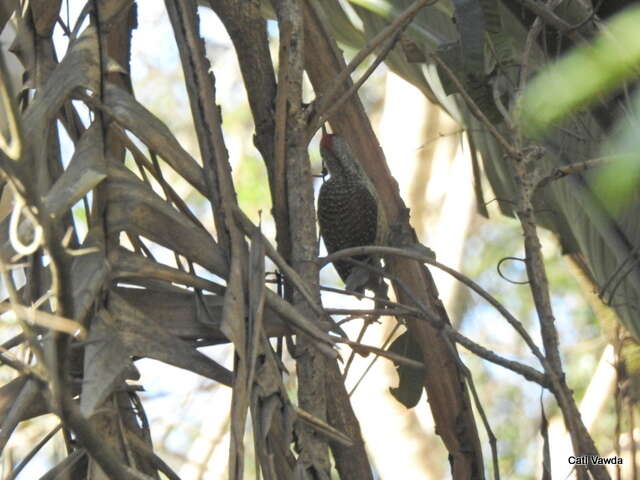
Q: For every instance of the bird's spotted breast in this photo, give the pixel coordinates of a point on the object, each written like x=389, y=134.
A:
x=348, y=216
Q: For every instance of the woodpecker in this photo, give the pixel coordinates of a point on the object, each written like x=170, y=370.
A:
x=349, y=211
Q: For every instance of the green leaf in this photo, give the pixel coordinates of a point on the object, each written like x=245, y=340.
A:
x=492, y=17
x=470, y=23
x=617, y=183
x=383, y=8
x=501, y=47
x=584, y=75
x=451, y=55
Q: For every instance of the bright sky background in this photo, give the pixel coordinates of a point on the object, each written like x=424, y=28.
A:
x=176, y=411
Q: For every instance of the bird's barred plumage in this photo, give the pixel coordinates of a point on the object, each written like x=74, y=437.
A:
x=348, y=217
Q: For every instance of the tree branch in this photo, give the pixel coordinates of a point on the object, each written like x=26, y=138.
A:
x=449, y=399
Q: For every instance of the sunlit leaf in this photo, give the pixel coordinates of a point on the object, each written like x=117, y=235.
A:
x=617, y=182
x=584, y=75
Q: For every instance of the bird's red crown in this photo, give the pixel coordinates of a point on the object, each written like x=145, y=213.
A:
x=327, y=140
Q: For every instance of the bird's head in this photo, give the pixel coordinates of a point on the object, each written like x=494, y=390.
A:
x=337, y=155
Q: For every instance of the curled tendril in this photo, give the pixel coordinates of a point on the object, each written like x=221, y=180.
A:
x=22, y=249
x=515, y=282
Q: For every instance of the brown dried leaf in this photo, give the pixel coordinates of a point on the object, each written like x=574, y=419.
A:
x=78, y=69
x=180, y=315
x=144, y=337
x=267, y=412
x=106, y=362
x=88, y=275
x=72, y=466
x=256, y=303
x=84, y=172
x=323, y=341
x=113, y=11
x=268, y=380
x=7, y=8
x=9, y=395
x=152, y=132
x=234, y=324
x=136, y=208
x=45, y=13
x=410, y=385
x=323, y=428
x=21, y=405
x=128, y=265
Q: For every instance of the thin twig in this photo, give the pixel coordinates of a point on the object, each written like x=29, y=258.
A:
x=633, y=450
x=292, y=276
x=361, y=296
x=144, y=449
x=332, y=108
x=13, y=342
x=322, y=104
x=323, y=428
x=514, y=322
x=44, y=319
x=527, y=372
x=16, y=471
x=385, y=344
x=16, y=412
x=14, y=300
x=8, y=359
x=476, y=109
x=358, y=347
x=360, y=313
x=582, y=442
x=622, y=271
x=352, y=355
x=485, y=421
x=617, y=397
x=579, y=167
x=552, y=19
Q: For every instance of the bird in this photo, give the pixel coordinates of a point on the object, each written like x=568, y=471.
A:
x=349, y=210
